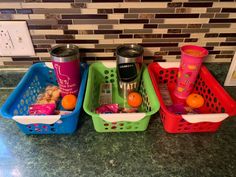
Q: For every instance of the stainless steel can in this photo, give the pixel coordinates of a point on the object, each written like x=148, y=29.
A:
x=129, y=60
x=66, y=63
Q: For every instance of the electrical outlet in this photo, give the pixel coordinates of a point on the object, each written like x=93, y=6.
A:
x=15, y=39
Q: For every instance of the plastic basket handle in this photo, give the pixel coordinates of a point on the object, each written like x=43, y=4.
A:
x=130, y=117
x=26, y=120
x=197, y=118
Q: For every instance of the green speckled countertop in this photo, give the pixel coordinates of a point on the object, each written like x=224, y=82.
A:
x=90, y=154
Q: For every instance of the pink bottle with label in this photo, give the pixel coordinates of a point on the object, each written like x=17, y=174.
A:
x=191, y=61
x=66, y=63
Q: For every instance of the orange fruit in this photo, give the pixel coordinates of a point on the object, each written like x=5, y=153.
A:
x=134, y=99
x=68, y=102
x=195, y=100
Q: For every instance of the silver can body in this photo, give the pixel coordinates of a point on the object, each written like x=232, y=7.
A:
x=129, y=60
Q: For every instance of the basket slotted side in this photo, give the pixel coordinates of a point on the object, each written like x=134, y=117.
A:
x=216, y=99
x=98, y=74
x=26, y=92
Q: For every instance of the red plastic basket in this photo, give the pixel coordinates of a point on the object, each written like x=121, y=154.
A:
x=218, y=104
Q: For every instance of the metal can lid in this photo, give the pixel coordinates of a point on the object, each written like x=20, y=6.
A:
x=129, y=51
x=62, y=53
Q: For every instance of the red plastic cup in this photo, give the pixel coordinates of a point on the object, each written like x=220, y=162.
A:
x=191, y=61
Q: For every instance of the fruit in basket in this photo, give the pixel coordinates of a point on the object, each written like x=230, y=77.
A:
x=68, y=102
x=134, y=99
x=195, y=101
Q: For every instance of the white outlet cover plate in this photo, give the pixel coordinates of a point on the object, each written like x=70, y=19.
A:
x=15, y=39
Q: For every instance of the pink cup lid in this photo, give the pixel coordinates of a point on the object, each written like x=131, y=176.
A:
x=194, y=51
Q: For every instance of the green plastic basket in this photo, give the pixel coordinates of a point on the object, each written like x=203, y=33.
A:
x=105, y=72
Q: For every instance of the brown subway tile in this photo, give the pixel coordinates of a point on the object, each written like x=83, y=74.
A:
x=85, y=32
x=110, y=50
x=159, y=44
x=70, y=31
x=77, y=41
x=43, y=46
x=150, y=26
x=61, y=26
x=209, y=48
x=194, y=25
x=5, y=17
x=175, y=4
x=207, y=35
x=228, y=44
x=53, y=16
x=227, y=52
x=107, y=31
x=212, y=44
x=152, y=10
x=156, y=20
x=105, y=58
x=105, y=11
x=158, y=53
x=221, y=15
x=231, y=39
x=177, y=16
x=174, y=53
x=174, y=30
x=98, y=21
x=201, y=30
x=111, y=36
x=105, y=27
x=216, y=25
x=122, y=21
x=198, y=4
x=57, y=11
x=169, y=48
x=229, y=20
x=25, y=58
x=64, y=21
x=130, y=15
x=147, y=16
x=229, y=10
x=41, y=50
x=155, y=0
x=83, y=1
x=85, y=16
x=132, y=0
x=224, y=56
x=162, y=40
x=79, y=5
x=42, y=22
x=138, y=31
x=227, y=34
x=91, y=50
x=59, y=36
x=213, y=52
x=40, y=27
x=172, y=26
x=18, y=63
x=214, y=10
x=191, y=40
x=147, y=36
x=43, y=41
x=124, y=10
x=181, y=10
x=38, y=37
x=207, y=15
x=176, y=35
x=106, y=46
x=125, y=36
x=107, y=1
x=57, y=0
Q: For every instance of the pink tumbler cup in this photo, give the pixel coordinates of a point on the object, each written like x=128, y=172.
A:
x=191, y=60
x=66, y=64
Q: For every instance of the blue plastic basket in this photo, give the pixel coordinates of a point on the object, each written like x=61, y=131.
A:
x=37, y=78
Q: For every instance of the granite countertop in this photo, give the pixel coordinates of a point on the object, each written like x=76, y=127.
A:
x=87, y=153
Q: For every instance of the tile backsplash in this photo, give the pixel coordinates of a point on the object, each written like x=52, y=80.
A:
x=99, y=26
